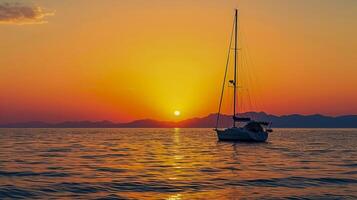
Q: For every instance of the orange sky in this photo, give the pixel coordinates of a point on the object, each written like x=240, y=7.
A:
x=130, y=59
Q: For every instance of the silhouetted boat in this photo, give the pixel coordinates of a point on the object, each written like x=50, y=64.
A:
x=247, y=130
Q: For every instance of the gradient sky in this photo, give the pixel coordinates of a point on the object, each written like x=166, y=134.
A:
x=121, y=60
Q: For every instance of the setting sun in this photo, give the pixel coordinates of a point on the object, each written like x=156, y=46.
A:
x=177, y=113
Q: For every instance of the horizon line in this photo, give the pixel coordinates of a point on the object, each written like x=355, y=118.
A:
x=175, y=121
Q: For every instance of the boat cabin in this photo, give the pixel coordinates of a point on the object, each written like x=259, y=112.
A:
x=254, y=126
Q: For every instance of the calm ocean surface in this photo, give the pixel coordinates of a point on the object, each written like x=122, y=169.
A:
x=176, y=164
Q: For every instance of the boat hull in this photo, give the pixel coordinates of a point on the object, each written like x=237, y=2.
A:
x=241, y=134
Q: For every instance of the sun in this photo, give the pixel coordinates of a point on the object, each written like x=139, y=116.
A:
x=177, y=113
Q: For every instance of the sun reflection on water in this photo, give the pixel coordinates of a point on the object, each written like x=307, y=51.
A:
x=174, y=164
x=175, y=197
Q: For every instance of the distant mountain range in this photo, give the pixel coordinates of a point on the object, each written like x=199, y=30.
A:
x=284, y=121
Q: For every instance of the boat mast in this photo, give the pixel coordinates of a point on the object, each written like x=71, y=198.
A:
x=235, y=66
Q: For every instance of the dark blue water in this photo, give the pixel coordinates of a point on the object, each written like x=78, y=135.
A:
x=176, y=164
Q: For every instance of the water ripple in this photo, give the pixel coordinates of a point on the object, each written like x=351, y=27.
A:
x=13, y=192
x=30, y=173
x=176, y=164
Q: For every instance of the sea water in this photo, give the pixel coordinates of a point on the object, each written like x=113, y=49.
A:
x=176, y=164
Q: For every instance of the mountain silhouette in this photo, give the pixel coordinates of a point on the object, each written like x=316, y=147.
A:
x=284, y=121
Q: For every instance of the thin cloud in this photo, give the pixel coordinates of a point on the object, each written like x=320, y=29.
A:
x=16, y=13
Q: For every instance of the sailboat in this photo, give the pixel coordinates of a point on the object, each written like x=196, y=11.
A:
x=243, y=128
